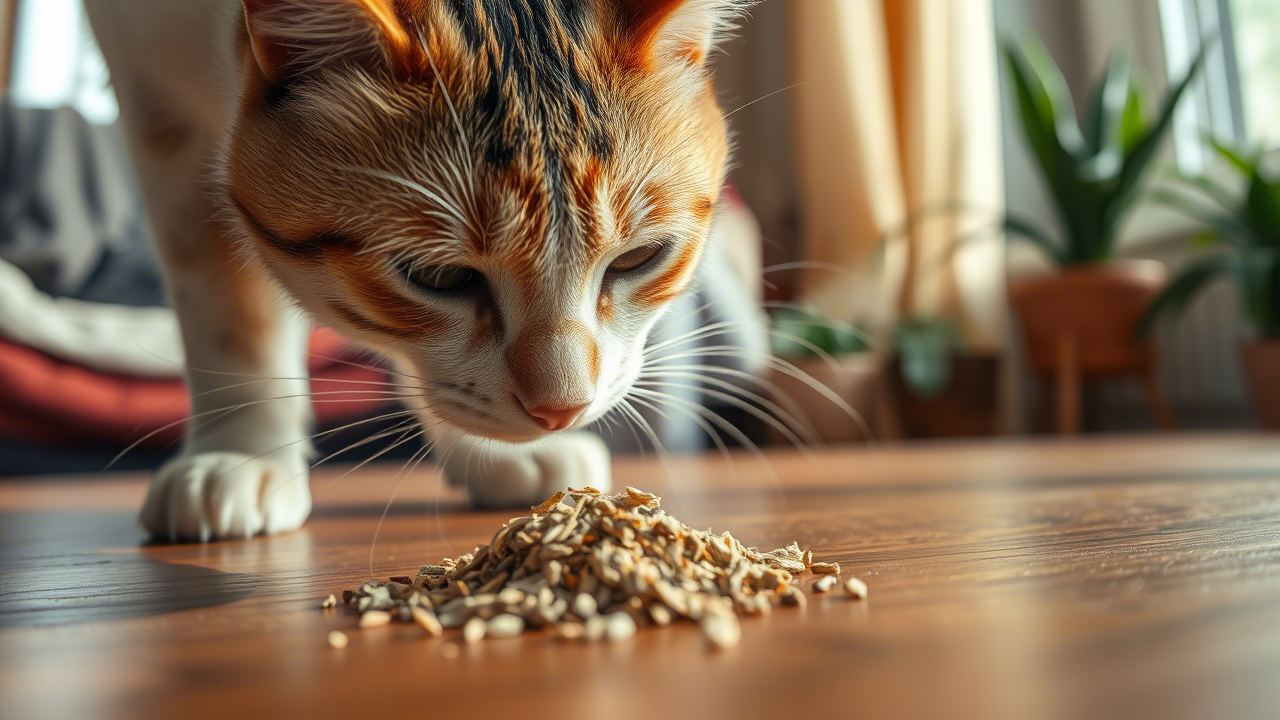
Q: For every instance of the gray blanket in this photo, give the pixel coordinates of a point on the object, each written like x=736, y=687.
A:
x=70, y=215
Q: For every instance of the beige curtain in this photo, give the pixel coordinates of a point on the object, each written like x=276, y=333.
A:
x=899, y=112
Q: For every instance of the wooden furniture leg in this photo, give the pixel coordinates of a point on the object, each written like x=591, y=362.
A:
x=1161, y=409
x=1044, y=404
x=1068, y=386
x=887, y=425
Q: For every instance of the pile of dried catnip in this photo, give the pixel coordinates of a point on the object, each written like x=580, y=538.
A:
x=595, y=566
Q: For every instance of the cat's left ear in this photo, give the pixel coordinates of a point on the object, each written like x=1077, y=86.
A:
x=292, y=37
x=662, y=32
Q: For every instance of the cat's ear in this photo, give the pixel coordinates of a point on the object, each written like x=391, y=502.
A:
x=677, y=31
x=291, y=37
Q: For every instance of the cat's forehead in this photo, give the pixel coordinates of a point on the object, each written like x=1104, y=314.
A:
x=539, y=222
x=533, y=77
x=522, y=144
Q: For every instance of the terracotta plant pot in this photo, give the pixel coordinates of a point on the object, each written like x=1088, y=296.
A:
x=1261, y=361
x=1079, y=323
x=969, y=407
x=855, y=379
x=1090, y=311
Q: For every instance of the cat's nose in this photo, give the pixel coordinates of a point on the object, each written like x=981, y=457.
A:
x=555, y=418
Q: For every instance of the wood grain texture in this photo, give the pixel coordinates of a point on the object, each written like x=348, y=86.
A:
x=1124, y=578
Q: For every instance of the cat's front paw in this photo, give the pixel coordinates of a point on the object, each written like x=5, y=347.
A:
x=215, y=495
x=502, y=475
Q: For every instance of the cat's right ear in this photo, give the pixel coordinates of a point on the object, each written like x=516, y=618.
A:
x=292, y=37
x=679, y=32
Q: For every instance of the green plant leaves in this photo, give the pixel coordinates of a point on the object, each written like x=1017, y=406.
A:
x=1240, y=162
x=799, y=332
x=1262, y=208
x=1225, y=224
x=1047, y=120
x=1029, y=231
x=1258, y=273
x=1093, y=175
x=1252, y=226
x=1178, y=294
x=1134, y=121
x=1105, y=130
x=1144, y=150
x=925, y=348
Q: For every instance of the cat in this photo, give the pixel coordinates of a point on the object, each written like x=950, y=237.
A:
x=502, y=196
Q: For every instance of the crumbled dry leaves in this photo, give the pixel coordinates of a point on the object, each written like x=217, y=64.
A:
x=596, y=567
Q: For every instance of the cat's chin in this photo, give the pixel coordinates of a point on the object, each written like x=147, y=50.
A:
x=507, y=435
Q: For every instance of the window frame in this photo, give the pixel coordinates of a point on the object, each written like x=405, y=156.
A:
x=1215, y=104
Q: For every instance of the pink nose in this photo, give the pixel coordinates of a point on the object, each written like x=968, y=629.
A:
x=555, y=418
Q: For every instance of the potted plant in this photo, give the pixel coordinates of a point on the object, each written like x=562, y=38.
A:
x=937, y=386
x=1244, y=229
x=1080, y=319
x=837, y=356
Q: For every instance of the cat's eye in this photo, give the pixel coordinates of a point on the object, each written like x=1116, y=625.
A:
x=636, y=259
x=443, y=278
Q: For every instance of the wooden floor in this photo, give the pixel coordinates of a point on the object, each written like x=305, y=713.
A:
x=1119, y=578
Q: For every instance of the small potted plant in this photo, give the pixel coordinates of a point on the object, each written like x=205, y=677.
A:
x=1080, y=319
x=1244, y=238
x=835, y=355
x=938, y=387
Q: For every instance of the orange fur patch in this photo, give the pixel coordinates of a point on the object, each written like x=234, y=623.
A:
x=386, y=310
x=586, y=193
x=604, y=305
x=643, y=22
x=384, y=15
x=668, y=286
x=703, y=209
x=533, y=376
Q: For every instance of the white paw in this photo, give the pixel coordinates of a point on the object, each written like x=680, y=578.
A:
x=502, y=475
x=215, y=495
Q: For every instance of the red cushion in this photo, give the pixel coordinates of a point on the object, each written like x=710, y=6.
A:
x=50, y=401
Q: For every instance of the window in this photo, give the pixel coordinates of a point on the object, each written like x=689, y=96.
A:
x=1239, y=100
x=57, y=63
x=1257, y=50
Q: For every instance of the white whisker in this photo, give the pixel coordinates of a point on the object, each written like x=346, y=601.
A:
x=416, y=459
x=720, y=422
x=765, y=403
x=452, y=211
x=224, y=411
x=658, y=447
x=787, y=368
x=695, y=416
x=871, y=340
x=656, y=370
x=801, y=443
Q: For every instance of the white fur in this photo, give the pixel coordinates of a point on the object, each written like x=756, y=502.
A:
x=505, y=475
x=701, y=23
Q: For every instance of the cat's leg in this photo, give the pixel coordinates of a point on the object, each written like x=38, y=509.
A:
x=508, y=475
x=243, y=469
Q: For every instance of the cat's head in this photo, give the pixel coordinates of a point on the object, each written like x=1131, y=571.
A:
x=502, y=194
